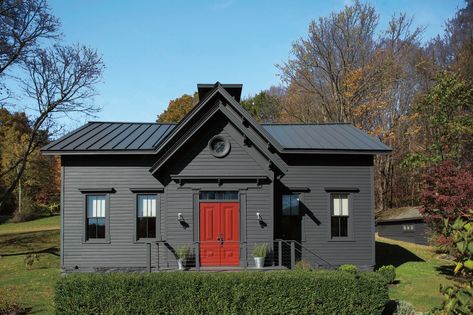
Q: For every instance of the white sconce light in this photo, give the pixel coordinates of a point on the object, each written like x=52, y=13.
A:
x=180, y=217
x=259, y=217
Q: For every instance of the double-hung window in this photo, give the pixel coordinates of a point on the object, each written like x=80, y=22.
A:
x=146, y=220
x=340, y=214
x=96, y=216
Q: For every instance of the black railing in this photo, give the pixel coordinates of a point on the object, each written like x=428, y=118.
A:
x=284, y=254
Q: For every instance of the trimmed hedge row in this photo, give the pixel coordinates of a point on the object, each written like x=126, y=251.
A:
x=297, y=292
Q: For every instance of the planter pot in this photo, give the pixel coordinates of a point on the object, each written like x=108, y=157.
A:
x=259, y=262
x=180, y=264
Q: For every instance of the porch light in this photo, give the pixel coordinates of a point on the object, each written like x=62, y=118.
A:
x=180, y=217
x=259, y=217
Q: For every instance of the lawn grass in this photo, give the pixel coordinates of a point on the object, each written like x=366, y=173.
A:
x=43, y=224
x=34, y=286
x=419, y=272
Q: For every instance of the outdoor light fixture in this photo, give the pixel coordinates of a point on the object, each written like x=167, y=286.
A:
x=259, y=217
x=180, y=217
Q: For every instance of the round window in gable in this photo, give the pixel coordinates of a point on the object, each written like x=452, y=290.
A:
x=219, y=146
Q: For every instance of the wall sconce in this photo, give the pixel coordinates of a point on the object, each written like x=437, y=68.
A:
x=180, y=217
x=260, y=220
x=259, y=217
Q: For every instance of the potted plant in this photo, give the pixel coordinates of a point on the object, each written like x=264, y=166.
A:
x=260, y=251
x=182, y=253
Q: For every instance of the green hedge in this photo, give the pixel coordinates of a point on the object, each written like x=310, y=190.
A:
x=296, y=292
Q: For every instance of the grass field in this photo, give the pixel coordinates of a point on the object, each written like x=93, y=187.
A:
x=419, y=271
x=34, y=286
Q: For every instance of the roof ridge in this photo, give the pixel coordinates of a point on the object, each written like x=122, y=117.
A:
x=130, y=122
x=306, y=124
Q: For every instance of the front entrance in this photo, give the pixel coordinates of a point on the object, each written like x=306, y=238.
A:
x=219, y=234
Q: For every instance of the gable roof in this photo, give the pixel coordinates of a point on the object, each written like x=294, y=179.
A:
x=201, y=114
x=150, y=138
x=125, y=138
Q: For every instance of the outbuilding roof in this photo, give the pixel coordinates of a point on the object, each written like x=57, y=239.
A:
x=399, y=215
x=125, y=137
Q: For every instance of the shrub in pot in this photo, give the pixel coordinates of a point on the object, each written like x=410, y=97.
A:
x=182, y=253
x=260, y=251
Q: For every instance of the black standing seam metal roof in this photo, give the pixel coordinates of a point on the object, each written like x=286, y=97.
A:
x=143, y=137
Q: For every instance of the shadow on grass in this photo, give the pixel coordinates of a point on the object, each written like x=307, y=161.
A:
x=30, y=243
x=390, y=254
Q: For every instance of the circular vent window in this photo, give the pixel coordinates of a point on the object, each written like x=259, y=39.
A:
x=219, y=146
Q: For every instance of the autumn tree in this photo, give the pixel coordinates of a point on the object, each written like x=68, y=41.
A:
x=178, y=108
x=56, y=80
x=343, y=72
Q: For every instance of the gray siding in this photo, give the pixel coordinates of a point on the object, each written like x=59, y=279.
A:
x=317, y=174
x=122, y=251
x=124, y=172
x=395, y=231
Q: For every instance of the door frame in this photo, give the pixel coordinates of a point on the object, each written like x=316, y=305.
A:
x=242, y=193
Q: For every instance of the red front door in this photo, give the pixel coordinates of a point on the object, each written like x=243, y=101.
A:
x=219, y=234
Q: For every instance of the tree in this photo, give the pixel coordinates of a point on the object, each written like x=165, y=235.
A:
x=445, y=117
x=264, y=106
x=178, y=108
x=59, y=80
x=343, y=72
x=22, y=25
x=447, y=195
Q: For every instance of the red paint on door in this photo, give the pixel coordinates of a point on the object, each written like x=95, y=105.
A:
x=219, y=234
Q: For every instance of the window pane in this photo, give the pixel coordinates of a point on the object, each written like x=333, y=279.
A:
x=100, y=228
x=142, y=228
x=203, y=195
x=344, y=205
x=336, y=205
x=335, y=227
x=219, y=195
x=151, y=227
x=343, y=226
x=286, y=205
x=295, y=205
x=147, y=205
x=211, y=195
x=95, y=206
x=91, y=228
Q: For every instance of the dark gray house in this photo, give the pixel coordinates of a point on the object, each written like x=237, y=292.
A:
x=218, y=183
x=403, y=224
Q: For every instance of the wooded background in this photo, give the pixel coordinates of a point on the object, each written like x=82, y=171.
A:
x=415, y=96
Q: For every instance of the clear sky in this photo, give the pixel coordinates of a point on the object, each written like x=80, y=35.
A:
x=155, y=51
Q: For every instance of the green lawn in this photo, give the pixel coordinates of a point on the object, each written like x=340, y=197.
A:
x=418, y=268
x=34, y=286
x=43, y=224
x=419, y=272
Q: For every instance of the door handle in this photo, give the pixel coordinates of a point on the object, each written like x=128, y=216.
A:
x=220, y=238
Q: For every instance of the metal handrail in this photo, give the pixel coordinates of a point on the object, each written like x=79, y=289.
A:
x=290, y=242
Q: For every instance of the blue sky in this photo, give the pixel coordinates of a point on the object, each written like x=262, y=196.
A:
x=155, y=51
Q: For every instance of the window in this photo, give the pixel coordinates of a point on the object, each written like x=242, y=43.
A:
x=219, y=146
x=408, y=228
x=146, y=223
x=95, y=216
x=290, y=205
x=339, y=215
x=218, y=195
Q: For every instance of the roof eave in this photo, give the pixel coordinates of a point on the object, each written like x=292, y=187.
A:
x=97, y=152
x=333, y=151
